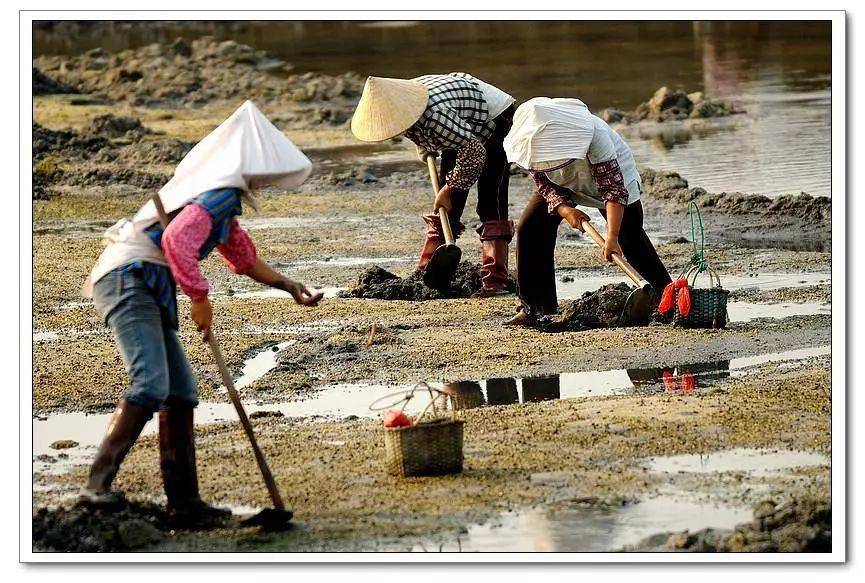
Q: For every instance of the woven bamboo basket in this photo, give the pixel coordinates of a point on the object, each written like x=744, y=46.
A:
x=431, y=447
x=428, y=448
x=708, y=305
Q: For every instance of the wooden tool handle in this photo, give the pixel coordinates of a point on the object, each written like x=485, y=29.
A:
x=272, y=489
x=443, y=214
x=617, y=259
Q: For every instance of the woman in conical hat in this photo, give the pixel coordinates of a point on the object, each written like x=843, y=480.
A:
x=464, y=120
x=133, y=289
x=576, y=159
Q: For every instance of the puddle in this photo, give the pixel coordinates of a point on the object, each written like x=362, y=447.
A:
x=66, y=334
x=381, y=159
x=747, y=311
x=88, y=429
x=349, y=261
x=269, y=292
x=352, y=400
x=758, y=462
x=574, y=283
x=578, y=529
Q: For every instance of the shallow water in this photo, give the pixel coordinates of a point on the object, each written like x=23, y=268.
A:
x=751, y=460
x=576, y=528
x=353, y=400
x=779, y=71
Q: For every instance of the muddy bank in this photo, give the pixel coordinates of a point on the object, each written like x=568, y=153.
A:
x=790, y=221
x=83, y=530
x=381, y=284
x=672, y=105
x=799, y=526
x=203, y=71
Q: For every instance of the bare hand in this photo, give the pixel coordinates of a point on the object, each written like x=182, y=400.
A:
x=611, y=247
x=573, y=216
x=443, y=199
x=202, y=314
x=301, y=294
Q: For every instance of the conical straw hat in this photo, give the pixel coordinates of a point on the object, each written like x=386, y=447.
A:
x=387, y=108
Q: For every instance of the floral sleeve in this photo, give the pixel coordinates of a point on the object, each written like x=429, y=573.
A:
x=554, y=195
x=471, y=157
x=239, y=250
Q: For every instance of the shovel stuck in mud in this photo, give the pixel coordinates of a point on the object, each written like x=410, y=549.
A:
x=443, y=264
x=638, y=306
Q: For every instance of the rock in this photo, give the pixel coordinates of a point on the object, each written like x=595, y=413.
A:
x=117, y=127
x=44, y=85
x=64, y=444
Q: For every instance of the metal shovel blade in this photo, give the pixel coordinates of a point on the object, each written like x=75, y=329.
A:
x=270, y=520
x=638, y=307
x=442, y=266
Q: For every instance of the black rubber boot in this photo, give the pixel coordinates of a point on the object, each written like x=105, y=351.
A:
x=185, y=507
x=126, y=425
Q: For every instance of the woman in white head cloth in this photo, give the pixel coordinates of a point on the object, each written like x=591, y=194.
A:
x=133, y=289
x=575, y=159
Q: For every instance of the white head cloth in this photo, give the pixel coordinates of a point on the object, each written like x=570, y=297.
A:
x=246, y=151
x=549, y=130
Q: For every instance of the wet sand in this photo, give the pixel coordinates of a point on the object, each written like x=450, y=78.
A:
x=585, y=451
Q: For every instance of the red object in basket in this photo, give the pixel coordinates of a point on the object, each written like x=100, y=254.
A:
x=394, y=418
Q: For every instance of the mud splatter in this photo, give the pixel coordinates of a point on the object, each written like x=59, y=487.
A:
x=379, y=283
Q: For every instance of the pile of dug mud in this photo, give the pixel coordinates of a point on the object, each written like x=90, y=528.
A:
x=380, y=284
x=672, y=105
x=194, y=73
x=598, y=309
x=803, y=526
x=85, y=530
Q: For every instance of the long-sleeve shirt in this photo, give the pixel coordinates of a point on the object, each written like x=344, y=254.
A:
x=606, y=175
x=184, y=239
x=456, y=118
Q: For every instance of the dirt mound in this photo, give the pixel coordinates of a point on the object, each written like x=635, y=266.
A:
x=69, y=144
x=381, y=284
x=85, y=530
x=45, y=85
x=794, y=527
x=111, y=126
x=199, y=72
x=597, y=309
x=169, y=151
x=672, y=104
x=671, y=187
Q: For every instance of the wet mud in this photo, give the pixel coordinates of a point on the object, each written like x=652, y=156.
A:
x=85, y=530
x=598, y=309
x=615, y=404
x=798, y=526
x=381, y=284
x=200, y=72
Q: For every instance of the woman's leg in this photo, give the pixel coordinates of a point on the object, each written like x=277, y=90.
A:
x=137, y=326
x=536, y=268
x=638, y=248
x=177, y=441
x=496, y=230
x=434, y=235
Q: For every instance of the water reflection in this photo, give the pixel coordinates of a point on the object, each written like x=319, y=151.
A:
x=681, y=379
x=778, y=71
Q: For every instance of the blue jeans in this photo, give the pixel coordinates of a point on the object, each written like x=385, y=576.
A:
x=154, y=358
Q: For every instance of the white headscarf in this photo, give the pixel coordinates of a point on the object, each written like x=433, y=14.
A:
x=549, y=130
x=246, y=151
